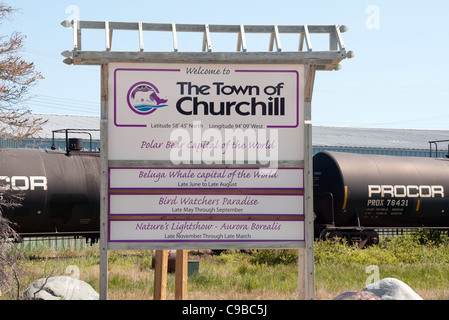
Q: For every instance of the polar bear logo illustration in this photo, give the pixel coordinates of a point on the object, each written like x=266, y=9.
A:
x=143, y=98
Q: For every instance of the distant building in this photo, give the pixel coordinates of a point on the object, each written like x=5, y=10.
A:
x=84, y=127
x=400, y=142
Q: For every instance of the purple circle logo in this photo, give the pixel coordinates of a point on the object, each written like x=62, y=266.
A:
x=143, y=98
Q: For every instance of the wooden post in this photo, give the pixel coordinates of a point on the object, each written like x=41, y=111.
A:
x=104, y=183
x=306, y=273
x=160, y=275
x=302, y=274
x=181, y=275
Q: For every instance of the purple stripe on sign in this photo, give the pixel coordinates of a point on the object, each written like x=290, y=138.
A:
x=204, y=241
x=226, y=217
x=248, y=191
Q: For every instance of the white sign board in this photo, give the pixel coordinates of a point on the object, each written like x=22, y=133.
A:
x=208, y=111
x=211, y=231
x=205, y=204
x=206, y=178
x=216, y=135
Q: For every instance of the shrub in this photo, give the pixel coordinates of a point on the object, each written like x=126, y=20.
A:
x=405, y=249
x=274, y=256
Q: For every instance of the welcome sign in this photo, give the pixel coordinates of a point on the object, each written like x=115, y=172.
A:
x=207, y=149
x=216, y=136
x=152, y=105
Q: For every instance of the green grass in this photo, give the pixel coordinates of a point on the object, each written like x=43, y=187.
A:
x=236, y=275
x=259, y=274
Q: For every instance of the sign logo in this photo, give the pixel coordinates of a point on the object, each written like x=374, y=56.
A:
x=143, y=98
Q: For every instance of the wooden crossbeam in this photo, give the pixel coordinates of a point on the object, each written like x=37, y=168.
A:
x=141, y=37
x=206, y=39
x=175, y=38
x=241, y=40
x=304, y=31
x=108, y=34
x=307, y=37
x=326, y=59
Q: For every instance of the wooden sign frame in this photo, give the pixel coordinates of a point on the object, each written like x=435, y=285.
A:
x=305, y=56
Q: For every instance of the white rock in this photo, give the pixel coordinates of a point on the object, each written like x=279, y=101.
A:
x=357, y=295
x=60, y=288
x=392, y=289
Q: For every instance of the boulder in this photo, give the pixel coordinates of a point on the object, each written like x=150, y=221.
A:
x=357, y=295
x=392, y=289
x=60, y=288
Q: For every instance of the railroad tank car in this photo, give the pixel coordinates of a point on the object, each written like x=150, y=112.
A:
x=61, y=191
x=353, y=193
x=356, y=193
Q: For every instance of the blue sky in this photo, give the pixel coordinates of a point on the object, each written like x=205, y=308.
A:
x=398, y=78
